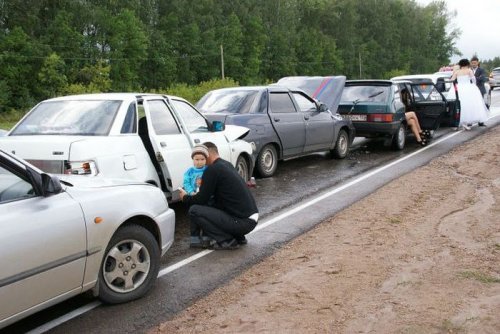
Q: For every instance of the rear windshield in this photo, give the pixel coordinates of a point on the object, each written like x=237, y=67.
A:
x=365, y=93
x=76, y=117
x=228, y=101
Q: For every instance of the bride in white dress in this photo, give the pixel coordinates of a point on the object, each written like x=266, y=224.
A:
x=472, y=107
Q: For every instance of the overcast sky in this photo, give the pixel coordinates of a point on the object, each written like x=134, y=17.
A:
x=479, y=21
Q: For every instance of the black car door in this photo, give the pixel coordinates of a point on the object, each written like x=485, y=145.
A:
x=429, y=105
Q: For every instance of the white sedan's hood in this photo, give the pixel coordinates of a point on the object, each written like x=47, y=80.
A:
x=234, y=132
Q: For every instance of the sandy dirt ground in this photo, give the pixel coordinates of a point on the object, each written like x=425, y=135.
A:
x=420, y=255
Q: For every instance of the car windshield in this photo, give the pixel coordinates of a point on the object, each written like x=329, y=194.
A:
x=230, y=101
x=365, y=93
x=69, y=117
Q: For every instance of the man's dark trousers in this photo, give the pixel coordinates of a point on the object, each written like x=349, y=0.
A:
x=217, y=224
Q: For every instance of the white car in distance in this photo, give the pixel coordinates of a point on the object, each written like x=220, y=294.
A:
x=142, y=137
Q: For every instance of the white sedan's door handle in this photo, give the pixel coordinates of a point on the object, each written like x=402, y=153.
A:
x=163, y=144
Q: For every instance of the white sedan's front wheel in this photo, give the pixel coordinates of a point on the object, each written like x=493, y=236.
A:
x=130, y=265
x=243, y=168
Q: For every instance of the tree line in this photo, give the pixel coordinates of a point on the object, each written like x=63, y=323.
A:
x=54, y=47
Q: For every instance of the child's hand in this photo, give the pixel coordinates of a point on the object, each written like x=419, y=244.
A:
x=182, y=192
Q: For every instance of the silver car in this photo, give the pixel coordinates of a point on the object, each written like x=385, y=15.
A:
x=61, y=236
x=495, y=78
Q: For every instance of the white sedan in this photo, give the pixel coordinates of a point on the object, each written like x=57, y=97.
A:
x=62, y=236
x=141, y=137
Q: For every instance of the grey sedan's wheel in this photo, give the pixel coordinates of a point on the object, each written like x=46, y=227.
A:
x=242, y=168
x=399, y=138
x=267, y=161
x=130, y=265
x=341, y=146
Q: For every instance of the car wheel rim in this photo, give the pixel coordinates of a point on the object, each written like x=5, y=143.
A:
x=401, y=136
x=267, y=160
x=242, y=169
x=343, y=144
x=126, y=266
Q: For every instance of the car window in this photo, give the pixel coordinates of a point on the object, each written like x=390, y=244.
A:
x=161, y=118
x=193, y=120
x=230, y=101
x=12, y=187
x=75, y=117
x=130, y=122
x=281, y=103
x=365, y=93
x=305, y=103
x=426, y=92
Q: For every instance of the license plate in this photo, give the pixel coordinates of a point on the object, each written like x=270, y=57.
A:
x=354, y=118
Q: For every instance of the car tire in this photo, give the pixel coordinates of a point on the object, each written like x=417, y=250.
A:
x=399, y=138
x=341, y=146
x=243, y=168
x=267, y=161
x=130, y=265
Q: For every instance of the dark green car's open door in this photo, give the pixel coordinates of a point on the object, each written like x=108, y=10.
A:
x=429, y=105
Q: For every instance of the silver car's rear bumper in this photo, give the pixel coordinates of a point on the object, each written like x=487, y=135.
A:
x=166, y=224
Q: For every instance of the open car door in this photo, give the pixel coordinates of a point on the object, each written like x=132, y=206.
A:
x=171, y=148
x=429, y=105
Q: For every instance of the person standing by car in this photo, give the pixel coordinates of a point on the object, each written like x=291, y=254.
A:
x=472, y=104
x=481, y=78
x=234, y=213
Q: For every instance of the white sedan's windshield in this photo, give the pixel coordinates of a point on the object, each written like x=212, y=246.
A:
x=75, y=117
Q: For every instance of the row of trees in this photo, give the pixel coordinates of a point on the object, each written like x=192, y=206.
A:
x=53, y=47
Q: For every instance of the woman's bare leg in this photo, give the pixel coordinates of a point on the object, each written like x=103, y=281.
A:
x=410, y=115
x=413, y=126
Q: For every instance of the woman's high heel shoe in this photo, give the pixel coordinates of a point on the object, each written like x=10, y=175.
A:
x=423, y=142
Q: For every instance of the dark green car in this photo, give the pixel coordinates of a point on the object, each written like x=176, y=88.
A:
x=376, y=109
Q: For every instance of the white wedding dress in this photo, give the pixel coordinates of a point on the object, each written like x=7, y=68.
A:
x=472, y=107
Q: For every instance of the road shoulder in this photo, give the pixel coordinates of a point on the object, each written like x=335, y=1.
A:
x=419, y=255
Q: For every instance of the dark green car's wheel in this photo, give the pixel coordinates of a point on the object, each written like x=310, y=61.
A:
x=130, y=265
x=399, y=138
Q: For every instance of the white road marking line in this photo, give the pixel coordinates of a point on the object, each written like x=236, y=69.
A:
x=81, y=310
x=62, y=319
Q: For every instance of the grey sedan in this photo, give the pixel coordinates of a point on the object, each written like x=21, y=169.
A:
x=284, y=123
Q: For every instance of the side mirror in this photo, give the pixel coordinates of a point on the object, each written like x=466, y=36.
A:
x=323, y=107
x=50, y=185
x=218, y=126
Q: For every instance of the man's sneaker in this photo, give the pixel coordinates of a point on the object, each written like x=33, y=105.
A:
x=481, y=124
x=241, y=240
x=226, y=245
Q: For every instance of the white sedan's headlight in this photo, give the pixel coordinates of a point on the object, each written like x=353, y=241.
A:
x=81, y=168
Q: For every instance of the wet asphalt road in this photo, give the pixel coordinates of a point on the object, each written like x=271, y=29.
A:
x=295, y=181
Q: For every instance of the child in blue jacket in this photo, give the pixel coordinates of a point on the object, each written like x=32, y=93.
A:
x=192, y=177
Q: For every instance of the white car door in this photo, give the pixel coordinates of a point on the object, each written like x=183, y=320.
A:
x=171, y=146
x=42, y=245
x=196, y=127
